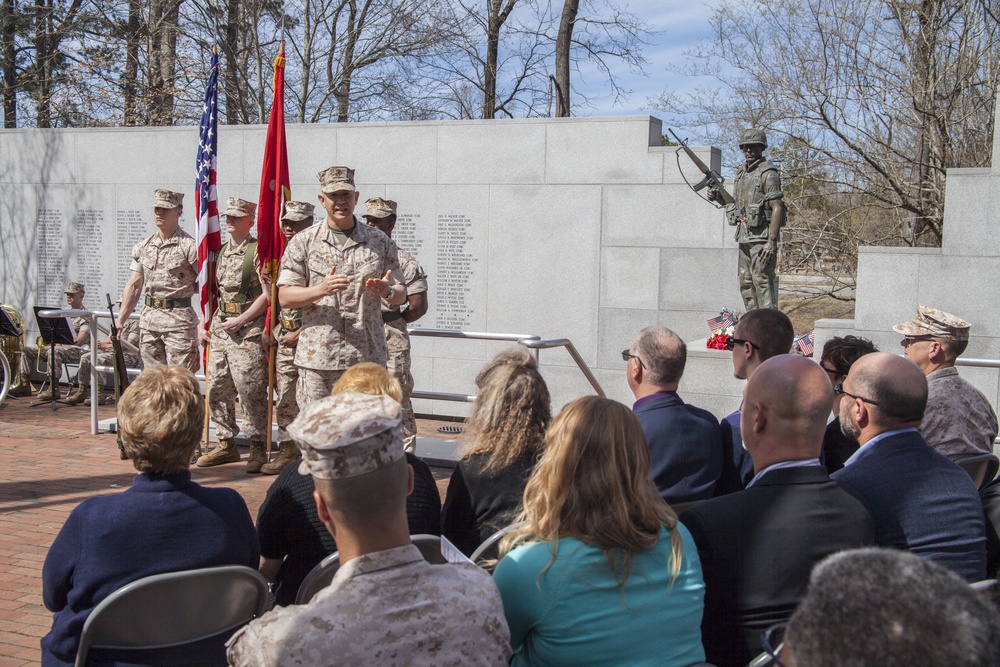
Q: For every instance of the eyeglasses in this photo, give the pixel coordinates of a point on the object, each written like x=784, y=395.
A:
x=832, y=372
x=733, y=342
x=771, y=642
x=839, y=389
x=626, y=356
x=910, y=340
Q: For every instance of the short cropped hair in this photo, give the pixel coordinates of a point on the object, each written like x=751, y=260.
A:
x=892, y=609
x=664, y=354
x=895, y=403
x=161, y=416
x=953, y=349
x=842, y=352
x=769, y=330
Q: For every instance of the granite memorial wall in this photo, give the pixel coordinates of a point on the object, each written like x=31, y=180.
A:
x=561, y=228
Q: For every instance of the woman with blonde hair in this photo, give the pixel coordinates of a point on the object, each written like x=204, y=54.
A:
x=503, y=440
x=602, y=572
x=164, y=522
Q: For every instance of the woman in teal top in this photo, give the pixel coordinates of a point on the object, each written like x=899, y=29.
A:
x=602, y=573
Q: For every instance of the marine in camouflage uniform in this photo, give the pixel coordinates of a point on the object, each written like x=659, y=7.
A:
x=165, y=265
x=381, y=214
x=106, y=357
x=959, y=420
x=758, y=215
x=65, y=354
x=236, y=364
x=297, y=217
x=338, y=272
x=386, y=605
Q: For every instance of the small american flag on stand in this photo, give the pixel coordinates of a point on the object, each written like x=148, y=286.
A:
x=725, y=319
x=208, y=234
x=805, y=343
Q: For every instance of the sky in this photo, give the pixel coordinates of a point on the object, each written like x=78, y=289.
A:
x=681, y=24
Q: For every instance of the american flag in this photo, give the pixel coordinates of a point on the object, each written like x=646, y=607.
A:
x=805, y=343
x=725, y=319
x=208, y=233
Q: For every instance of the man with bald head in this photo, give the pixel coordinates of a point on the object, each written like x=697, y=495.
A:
x=685, y=443
x=757, y=546
x=921, y=501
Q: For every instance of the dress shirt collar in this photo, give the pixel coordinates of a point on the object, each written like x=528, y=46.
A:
x=647, y=399
x=379, y=560
x=942, y=372
x=867, y=446
x=784, y=464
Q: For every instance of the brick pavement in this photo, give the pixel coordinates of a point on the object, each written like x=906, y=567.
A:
x=51, y=463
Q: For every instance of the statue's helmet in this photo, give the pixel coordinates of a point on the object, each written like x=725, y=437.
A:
x=752, y=136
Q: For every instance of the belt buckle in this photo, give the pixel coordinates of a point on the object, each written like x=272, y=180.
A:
x=231, y=308
x=159, y=303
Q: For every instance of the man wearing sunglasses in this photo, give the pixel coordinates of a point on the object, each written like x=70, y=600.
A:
x=759, y=335
x=921, y=501
x=959, y=420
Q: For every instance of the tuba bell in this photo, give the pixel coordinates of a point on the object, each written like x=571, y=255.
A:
x=11, y=346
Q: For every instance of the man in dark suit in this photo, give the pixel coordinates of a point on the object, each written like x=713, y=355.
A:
x=921, y=501
x=757, y=546
x=685, y=442
x=760, y=334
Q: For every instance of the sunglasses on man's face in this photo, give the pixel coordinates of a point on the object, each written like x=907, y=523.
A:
x=731, y=343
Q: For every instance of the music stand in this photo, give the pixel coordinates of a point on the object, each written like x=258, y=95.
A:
x=54, y=331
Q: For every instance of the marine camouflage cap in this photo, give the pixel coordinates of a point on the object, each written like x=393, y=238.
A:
x=934, y=323
x=347, y=435
x=299, y=211
x=380, y=208
x=336, y=179
x=239, y=208
x=167, y=199
x=74, y=288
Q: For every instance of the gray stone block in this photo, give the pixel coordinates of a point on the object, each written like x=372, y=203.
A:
x=648, y=215
x=491, y=153
x=972, y=222
x=625, y=276
x=404, y=153
x=601, y=151
x=694, y=278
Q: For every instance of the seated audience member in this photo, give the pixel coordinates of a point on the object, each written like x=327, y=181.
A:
x=163, y=523
x=887, y=608
x=921, y=501
x=293, y=540
x=760, y=334
x=685, y=443
x=959, y=420
x=502, y=442
x=757, y=546
x=386, y=605
x=838, y=356
x=602, y=573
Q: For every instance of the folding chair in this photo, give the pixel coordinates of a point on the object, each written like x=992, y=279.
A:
x=982, y=468
x=173, y=609
x=492, y=540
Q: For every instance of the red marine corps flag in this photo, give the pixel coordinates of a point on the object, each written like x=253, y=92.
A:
x=275, y=190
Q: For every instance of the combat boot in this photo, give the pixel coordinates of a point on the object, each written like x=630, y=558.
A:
x=104, y=397
x=289, y=453
x=49, y=394
x=77, y=396
x=22, y=389
x=258, y=457
x=196, y=454
x=224, y=452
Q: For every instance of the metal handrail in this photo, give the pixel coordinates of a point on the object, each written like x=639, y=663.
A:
x=978, y=363
x=530, y=341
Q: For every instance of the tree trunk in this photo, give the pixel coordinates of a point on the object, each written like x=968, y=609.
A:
x=43, y=61
x=163, y=27
x=130, y=77
x=564, y=40
x=490, y=68
x=9, y=66
x=343, y=94
x=235, y=112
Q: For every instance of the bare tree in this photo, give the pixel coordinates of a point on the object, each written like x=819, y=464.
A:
x=885, y=95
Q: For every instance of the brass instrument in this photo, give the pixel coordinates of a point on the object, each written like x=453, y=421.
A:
x=42, y=359
x=11, y=346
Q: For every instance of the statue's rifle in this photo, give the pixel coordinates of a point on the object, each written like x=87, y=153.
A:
x=712, y=179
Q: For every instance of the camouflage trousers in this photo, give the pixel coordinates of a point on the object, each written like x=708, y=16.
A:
x=174, y=348
x=286, y=409
x=65, y=354
x=237, y=368
x=757, y=282
x=104, y=358
x=315, y=384
x=398, y=365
